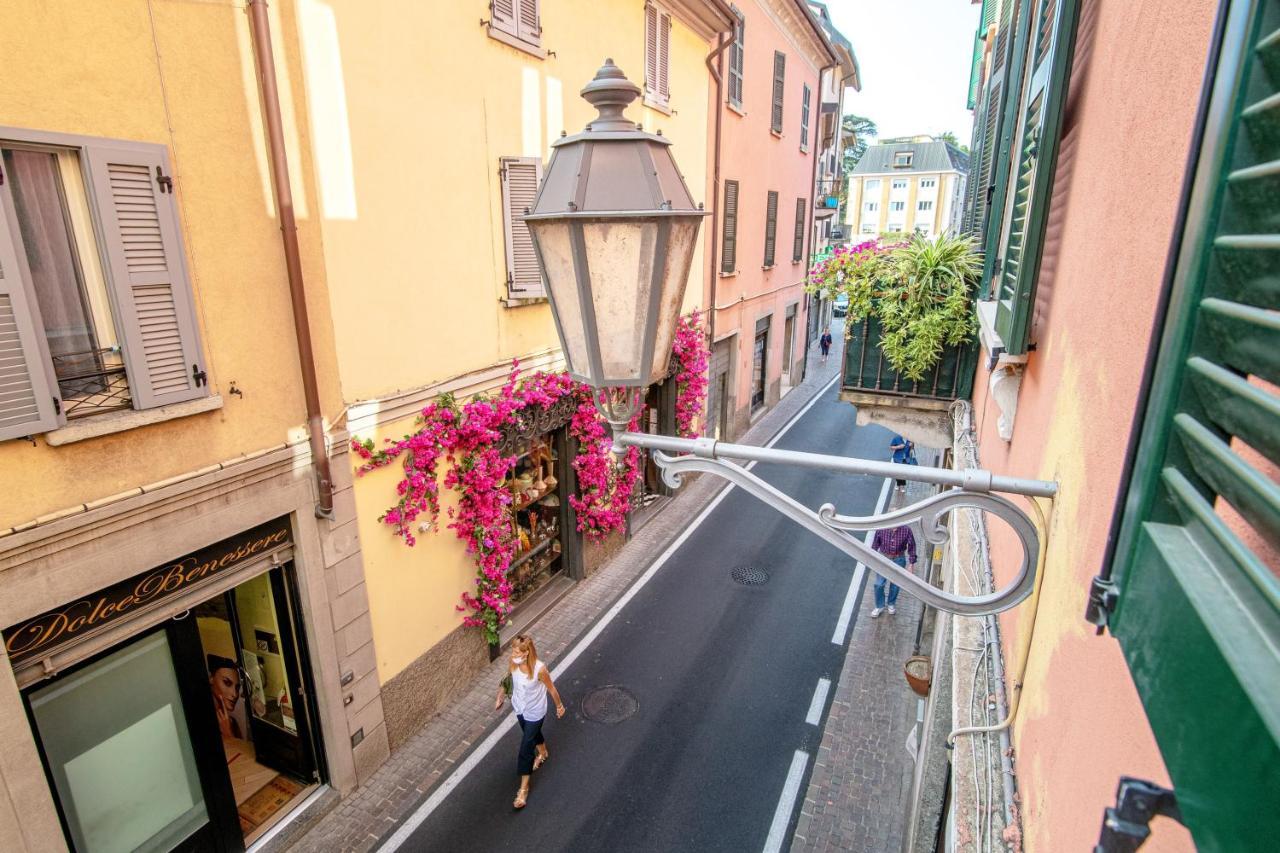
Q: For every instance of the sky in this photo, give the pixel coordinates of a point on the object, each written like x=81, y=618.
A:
x=914, y=56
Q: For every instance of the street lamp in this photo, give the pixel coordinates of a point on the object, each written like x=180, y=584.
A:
x=614, y=227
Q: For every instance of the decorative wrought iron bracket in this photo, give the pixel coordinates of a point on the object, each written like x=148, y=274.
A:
x=968, y=488
x=1126, y=825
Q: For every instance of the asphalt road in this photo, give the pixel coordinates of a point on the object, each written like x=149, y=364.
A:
x=723, y=673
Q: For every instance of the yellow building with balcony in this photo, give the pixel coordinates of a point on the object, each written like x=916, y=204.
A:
x=909, y=185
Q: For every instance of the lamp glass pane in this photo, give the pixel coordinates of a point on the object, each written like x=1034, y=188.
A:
x=620, y=257
x=675, y=278
x=552, y=238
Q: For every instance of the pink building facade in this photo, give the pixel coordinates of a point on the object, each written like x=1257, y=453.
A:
x=769, y=110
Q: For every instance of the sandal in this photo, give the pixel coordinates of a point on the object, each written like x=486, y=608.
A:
x=522, y=797
x=540, y=759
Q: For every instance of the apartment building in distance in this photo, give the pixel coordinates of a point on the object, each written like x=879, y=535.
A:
x=913, y=183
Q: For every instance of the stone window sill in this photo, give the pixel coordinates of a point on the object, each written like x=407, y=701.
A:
x=992, y=343
x=511, y=41
x=777, y=134
x=727, y=274
x=521, y=301
x=114, y=422
x=737, y=108
x=652, y=102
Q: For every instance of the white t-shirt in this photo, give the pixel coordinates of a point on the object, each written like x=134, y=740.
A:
x=529, y=695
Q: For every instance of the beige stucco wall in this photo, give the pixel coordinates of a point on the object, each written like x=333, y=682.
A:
x=413, y=236
x=1082, y=725
x=182, y=75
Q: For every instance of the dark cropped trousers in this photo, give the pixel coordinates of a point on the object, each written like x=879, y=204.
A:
x=530, y=737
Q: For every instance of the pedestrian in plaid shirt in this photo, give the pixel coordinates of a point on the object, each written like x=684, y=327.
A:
x=899, y=545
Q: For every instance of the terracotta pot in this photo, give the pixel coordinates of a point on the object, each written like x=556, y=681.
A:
x=919, y=672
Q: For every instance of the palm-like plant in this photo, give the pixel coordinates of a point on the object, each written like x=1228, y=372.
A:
x=918, y=289
x=923, y=303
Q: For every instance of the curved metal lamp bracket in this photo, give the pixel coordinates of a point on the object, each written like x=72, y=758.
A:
x=835, y=529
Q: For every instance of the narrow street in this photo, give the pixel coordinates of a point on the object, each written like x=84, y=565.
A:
x=723, y=674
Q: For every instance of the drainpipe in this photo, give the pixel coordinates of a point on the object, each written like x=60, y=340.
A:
x=261, y=30
x=717, y=57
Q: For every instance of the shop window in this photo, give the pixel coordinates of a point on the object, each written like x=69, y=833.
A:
x=93, y=284
x=759, y=364
x=538, y=514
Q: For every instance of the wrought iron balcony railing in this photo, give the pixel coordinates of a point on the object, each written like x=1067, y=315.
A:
x=867, y=370
x=92, y=382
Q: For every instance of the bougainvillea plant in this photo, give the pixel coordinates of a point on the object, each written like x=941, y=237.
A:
x=468, y=438
x=918, y=290
x=692, y=355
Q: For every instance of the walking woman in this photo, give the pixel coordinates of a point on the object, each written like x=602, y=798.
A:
x=530, y=684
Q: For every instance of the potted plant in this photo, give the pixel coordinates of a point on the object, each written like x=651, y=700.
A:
x=917, y=289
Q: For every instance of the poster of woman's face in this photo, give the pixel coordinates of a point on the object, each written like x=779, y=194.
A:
x=228, y=696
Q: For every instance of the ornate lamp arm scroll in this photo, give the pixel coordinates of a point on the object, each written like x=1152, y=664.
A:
x=834, y=529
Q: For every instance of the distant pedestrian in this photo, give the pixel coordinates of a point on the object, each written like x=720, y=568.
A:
x=904, y=453
x=899, y=545
x=825, y=343
x=528, y=682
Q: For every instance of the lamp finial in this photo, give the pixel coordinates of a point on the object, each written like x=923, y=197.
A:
x=610, y=92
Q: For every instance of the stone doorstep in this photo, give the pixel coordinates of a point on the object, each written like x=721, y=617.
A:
x=369, y=814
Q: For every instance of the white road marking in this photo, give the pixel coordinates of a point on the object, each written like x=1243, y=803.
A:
x=851, y=597
x=410, y=826
x=819, y=701
x=786, y=803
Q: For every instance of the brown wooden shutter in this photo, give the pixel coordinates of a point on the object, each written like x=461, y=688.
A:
x=520, y=179
x=729, y=253
x=804, y=119
x=736, y=57
x=528, y=21
x=770, y=228
x=134, y=200
x=797, y=251
x=779, y=80
x=28, y=398
x=502, y=15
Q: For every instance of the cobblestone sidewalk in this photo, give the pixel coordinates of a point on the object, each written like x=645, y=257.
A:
x=861, y=781
x=360, y=821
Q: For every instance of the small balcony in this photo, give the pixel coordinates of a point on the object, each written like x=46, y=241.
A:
x=917, y=408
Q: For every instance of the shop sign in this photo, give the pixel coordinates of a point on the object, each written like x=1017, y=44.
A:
x=50, y=631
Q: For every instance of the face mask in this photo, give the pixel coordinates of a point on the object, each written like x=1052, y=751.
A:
x=518, y=661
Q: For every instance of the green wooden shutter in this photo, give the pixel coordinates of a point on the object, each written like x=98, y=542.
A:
x=989, y=159
x=1013, y=253
x=1198, y=608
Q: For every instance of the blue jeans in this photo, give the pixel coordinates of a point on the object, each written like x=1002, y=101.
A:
x=893, y=587
x=530, y=738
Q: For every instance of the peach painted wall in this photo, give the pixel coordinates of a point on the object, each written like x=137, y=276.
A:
x=759, y=161
x=1081, y=725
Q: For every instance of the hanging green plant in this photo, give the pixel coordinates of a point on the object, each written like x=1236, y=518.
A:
x=918, y=290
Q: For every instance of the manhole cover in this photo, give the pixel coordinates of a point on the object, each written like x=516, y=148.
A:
x=610, y=704
x=748, y=576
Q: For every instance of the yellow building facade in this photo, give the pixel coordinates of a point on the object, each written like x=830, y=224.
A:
x=905, y=186
x=410, y=133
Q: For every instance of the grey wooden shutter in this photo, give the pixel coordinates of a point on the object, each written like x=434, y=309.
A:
x=1196, y=594
x=797, y=250
x=664, y=56
x=28, y=398
x=528, y=21
x=779, y=88
x=729, y=248
x=736, y=57
x=502, y=16
x=520, y=179
x=804, y=119
x=1017, y=257
x=138, y=220
x=770, y=227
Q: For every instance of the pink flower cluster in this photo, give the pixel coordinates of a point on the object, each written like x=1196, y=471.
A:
x=468, y=437
x=692, y=356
